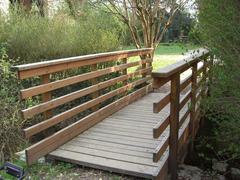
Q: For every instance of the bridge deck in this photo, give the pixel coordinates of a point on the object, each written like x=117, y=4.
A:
x=123, y=142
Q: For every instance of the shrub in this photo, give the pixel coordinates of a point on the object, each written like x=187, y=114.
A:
x=10, y=122
x=220, y=30
x=33, y=38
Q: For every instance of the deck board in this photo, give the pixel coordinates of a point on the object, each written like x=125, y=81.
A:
x=123, y=142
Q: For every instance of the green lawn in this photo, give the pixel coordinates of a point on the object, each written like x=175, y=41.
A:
x=170, y=48
x=165, y=54
x=174, y=48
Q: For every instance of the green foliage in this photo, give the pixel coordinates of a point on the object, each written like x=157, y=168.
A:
x=220, y=30
x=33, y=38
x=10, y=123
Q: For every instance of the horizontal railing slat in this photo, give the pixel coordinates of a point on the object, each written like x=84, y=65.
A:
x=48, y=67
x=157, y=107
x=182, y=65
x=78, y=109
x=160, y=127
x=33, y=91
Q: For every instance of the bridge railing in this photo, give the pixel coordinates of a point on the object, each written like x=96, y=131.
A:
x=70, y=95
x=179, y=131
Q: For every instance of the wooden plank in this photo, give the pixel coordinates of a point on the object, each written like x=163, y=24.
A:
x=160, y=127
x=185, y=99
x=30, y=112
x=130, y=128
x=33, y=91
x=185, y=82
x=120, y=137
x=105, y=164
x=125, y=130
x=134, y=120
x=74, y=111
x=180, y=66
x=110, y=144
x=184, y=117
x=111, y=120
x=110, y=148
x=174, y=125
x=162, y=174
x=115, y=132
x=161, y=148
x=120, y=141
x=51, y=143
x=49, y=67
x=46, y=96
x=124, y=72
x=157, y=107
x=109, y=155
x=94, y=81
x=159, y=82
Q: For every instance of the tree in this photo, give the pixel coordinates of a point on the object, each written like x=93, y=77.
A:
x=147, y=20
x=26, y=5
x=75, y=6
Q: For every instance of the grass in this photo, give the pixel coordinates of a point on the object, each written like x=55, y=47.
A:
x=170, y=48
x=165, y=54
x=174, y=48
x=62, y=171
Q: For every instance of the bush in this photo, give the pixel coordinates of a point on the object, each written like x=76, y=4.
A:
x=33, y=38
x=10, y=122
x=30, y=38
x=220, y=30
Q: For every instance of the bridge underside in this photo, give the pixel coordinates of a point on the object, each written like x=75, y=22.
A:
x=123, y=142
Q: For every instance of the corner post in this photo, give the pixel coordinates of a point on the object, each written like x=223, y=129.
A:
x=174, y=125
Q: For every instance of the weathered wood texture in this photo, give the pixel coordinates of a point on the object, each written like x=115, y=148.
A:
x=186, y=94
x=104, y=93
x=123, y=142
x=140, y=133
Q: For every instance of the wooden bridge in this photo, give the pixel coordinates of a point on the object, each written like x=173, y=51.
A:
x=109, y=111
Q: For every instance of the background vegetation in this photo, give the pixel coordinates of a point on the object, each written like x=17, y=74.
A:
x=220, y=32
x=27, y=37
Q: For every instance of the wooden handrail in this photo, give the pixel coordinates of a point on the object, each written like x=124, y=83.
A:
x=99, y=98
x=47, y=67
x=178, y=102
x=181, y=65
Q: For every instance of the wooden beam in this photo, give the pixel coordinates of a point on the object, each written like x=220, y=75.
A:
x=174, y=125
x=46, y=96
x=33, y=91
x=94, y=81
x=160, y=127
x=157, y=107
x=48, y=67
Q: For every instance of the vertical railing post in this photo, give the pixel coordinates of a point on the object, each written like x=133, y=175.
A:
x=174, y=125
x=193, y=104
x=94, y=81
x=124, y=72
x=210, y=73
x=144, y=65
x=46, y=96
x=204, y=77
